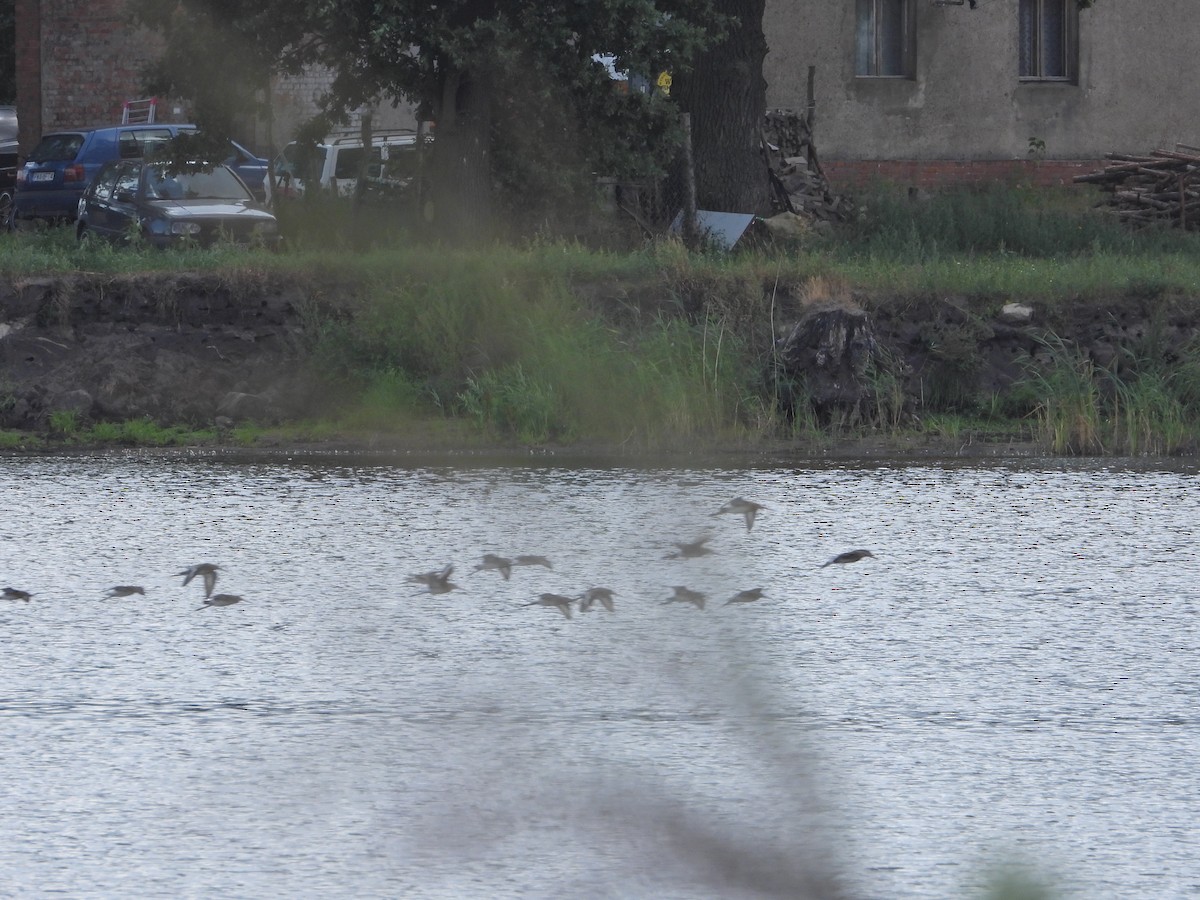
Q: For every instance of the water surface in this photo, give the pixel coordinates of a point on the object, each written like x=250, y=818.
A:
x=1012, y=679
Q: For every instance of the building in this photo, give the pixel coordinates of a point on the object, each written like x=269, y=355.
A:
x=926, y=91
x=922, y=91
x=79, y=61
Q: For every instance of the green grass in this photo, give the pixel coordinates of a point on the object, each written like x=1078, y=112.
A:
x=555, y=342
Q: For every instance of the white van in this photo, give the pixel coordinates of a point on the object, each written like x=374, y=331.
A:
x=335, y=162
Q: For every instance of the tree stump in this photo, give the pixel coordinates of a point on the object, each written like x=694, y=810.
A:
x=826, y=363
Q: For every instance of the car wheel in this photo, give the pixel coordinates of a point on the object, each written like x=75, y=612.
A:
x=85, y=235
x=6, y=211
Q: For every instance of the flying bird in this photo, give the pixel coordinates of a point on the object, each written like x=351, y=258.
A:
x=438, y=582
x=684, y=595
x=126, y=590
x=591, y=596
x=207, y=571
x=221, y=600
x=747, y=596
x=848, y=557
x=498, y=563
x=692, y=550
x=742, y=507
x=557, y=600
x=11, y=593
x=532, y=561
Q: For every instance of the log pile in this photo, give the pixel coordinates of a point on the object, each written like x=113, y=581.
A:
x=1162, y=188
x=798, y=184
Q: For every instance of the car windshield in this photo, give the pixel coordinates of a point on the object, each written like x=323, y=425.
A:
x=57, y=147
x=219, y=184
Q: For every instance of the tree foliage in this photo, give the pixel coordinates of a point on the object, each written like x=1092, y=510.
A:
x=521, y=106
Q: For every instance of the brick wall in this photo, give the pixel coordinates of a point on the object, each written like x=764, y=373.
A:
x=91, y=62
x=29, y=71
x=934, y=173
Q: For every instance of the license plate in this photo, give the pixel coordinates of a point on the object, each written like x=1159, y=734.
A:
x=42, y=176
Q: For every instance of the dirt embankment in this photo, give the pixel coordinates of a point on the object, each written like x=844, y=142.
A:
x=177, y=348
x=218, y=348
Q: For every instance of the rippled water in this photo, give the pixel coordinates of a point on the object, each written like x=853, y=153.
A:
x=1012, y=680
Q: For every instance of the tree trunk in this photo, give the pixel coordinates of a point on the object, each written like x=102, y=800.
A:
x=726, y=95
x=460, y=167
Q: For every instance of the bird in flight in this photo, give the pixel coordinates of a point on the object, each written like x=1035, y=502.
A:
x=747, y=596
x=498, y=563
x=742, y=507
x=684, y=595
x=207, y=571
x=848, y=557
x=557, y=600
x=126, y=590
x=532, y=561
x=11, y=593
x=692, y=550
x=438, y=582
x=591, y=596
x=221, y=600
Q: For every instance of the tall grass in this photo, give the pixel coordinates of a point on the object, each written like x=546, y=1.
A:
x=517, y=352
x=1138, y=409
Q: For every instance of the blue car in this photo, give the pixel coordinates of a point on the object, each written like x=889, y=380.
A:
x=131, y=200
x=63, y=164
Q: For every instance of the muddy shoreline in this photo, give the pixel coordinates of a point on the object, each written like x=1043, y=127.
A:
x=212, y=350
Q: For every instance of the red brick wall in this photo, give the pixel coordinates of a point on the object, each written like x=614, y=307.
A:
x=29, y=71
x=78, y=61
x=934, y=173
x=91, y=62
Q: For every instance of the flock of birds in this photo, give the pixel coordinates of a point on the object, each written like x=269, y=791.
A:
x=206, y=572
x=438, y=582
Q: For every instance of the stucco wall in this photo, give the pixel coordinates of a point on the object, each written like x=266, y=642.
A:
x=1138, y=61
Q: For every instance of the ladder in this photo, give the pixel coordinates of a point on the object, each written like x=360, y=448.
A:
x=139, y=111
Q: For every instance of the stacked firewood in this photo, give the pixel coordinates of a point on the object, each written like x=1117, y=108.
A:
x=798, y=184
x=1162, y=188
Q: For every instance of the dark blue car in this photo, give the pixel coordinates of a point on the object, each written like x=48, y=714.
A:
x=63, y=163
x=132, y=200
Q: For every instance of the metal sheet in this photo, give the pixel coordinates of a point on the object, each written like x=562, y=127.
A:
x=721, y=228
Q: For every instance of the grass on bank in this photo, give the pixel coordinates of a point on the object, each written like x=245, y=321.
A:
x=658, y=346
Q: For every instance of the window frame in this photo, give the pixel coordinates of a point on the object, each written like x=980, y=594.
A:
x=876, y=51
x=1069, y=49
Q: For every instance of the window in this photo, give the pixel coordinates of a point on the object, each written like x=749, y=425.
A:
x=135, y=144
x=106, y=178
x=127, y=180
x=1047, y=40
x=883, y=38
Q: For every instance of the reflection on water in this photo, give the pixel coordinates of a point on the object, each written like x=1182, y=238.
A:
x=1012, y=678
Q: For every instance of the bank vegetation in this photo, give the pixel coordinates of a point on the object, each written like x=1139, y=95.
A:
x=641, y=345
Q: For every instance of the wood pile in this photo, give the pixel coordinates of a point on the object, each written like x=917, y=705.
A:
x=798, y=184
x=1162, y=188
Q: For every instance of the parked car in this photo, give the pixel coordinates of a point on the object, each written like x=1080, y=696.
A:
x=133, y=199
x=8, y=158
x=63, y=163
x=334, y=163
x=252, y=170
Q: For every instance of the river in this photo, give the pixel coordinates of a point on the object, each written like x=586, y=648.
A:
x=1008, y=686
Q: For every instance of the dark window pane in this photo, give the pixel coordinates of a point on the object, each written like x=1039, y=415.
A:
x=1054, y=63
x=891, y=37
x=864, y=38
x=1028, y=38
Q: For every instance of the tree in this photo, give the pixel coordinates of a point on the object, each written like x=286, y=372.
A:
x=8, y=52
x=222, y=56
x=488, y=72
x=726, y=95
